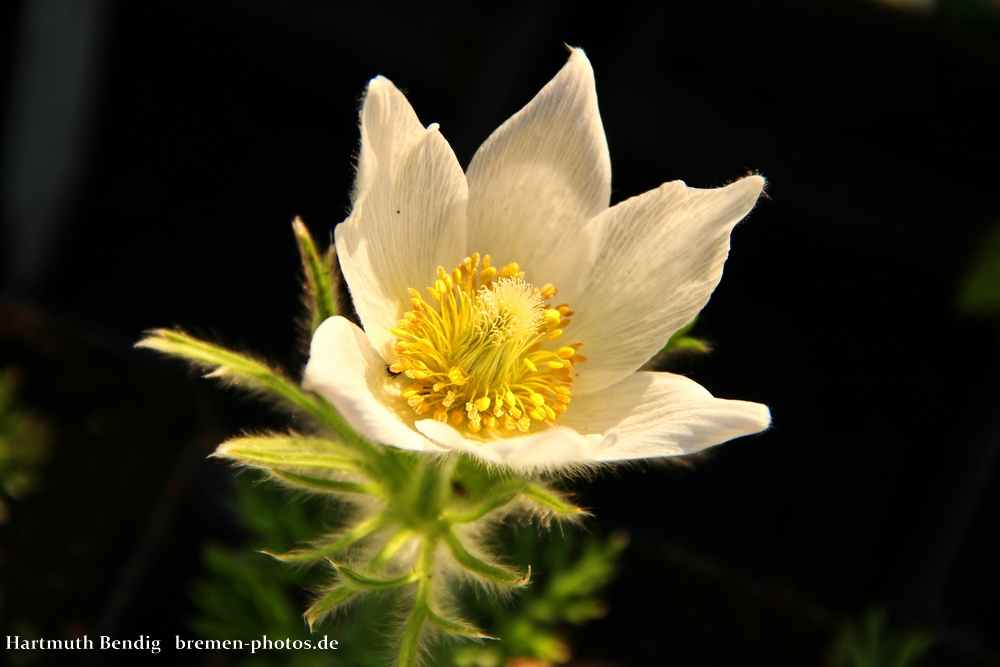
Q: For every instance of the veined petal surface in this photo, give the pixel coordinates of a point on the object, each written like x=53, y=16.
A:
x=550, y=448
x=346, y=370
x=540, y=177
x=536, y=193
x=661, y=257
x=408, y=216
x=662, y=414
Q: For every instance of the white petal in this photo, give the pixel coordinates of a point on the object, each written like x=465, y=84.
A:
x=661, y=256
x=408, y=216
x=546, y=449
x=661, y=414
x=540, y=177
x=347, y=371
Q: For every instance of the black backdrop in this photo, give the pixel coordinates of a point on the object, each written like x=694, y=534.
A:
x=216, y=122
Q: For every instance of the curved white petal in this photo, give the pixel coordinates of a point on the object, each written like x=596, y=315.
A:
x=346, y=370
x=546, y=449
x=661, y=414
x=540, y=177
x=408, y=216
x=661, y=257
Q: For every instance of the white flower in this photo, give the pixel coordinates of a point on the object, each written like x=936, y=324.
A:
x=454, y=276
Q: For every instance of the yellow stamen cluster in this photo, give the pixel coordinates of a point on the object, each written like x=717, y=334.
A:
x=476, y=357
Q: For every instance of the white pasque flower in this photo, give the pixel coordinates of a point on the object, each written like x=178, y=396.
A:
x=454, y=276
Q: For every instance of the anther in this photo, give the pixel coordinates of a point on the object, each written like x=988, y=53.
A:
x=510, y=270
x=481, y=346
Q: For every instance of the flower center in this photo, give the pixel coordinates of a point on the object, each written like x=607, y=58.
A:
x=476, y=357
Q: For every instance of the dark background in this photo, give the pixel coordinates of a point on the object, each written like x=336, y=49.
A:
x=157, y=154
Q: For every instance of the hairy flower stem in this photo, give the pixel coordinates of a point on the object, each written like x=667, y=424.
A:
x=410, y=647
x=432, y=489
x=241, y=370
x=319, y=270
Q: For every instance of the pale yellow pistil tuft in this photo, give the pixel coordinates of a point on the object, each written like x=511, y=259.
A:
x=476, y=358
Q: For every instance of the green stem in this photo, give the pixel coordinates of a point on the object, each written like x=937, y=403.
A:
x=292, y=460
x=430, y=483
x=435, y=484
x=480, y=567
x=364, y=581
x=409, y=650
x=543, y=497
x=502, y=499
x=329, y=602
x=391, y=547
x=456, y=628
x=226, y=362
x=353, y=536
x=329, y=485
x=318, y=275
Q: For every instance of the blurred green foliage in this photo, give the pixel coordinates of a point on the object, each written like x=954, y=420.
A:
x=680, y=344
x=972, y=10
x=24, y=445
x=569, y=569
x=246, y=595
x=869, y=643
x=979, y=292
